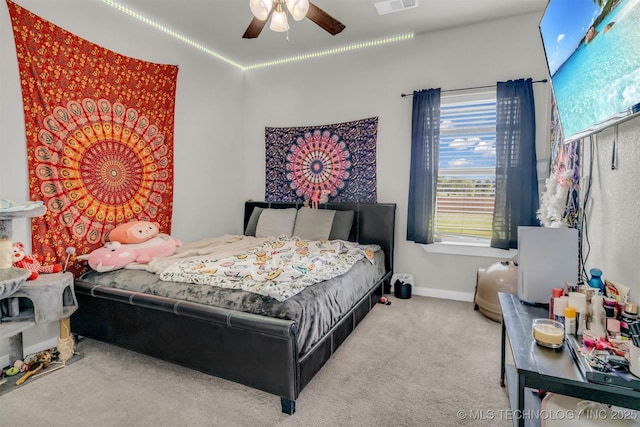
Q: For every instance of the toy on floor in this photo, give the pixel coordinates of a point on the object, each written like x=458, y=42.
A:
x=32, y=262
x=33, y=363
x=384, y=300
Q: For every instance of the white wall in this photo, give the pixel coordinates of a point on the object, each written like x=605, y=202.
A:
x=369, y=82
x=209, y=191
x=613, y=211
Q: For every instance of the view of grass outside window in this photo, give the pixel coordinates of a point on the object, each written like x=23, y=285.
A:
x=465, y=192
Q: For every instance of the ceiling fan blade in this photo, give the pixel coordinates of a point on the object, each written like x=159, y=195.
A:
x=324, y=20
x=254, y=29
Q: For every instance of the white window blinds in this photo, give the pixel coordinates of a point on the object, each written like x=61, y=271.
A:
x=465, y=190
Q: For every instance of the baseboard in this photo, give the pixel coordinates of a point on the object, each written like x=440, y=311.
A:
x=42, y=345
x=443, y=294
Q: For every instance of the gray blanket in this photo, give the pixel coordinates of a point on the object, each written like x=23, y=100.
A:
x=315, y=310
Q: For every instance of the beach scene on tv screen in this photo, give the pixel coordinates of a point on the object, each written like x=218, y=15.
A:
x=593, y=54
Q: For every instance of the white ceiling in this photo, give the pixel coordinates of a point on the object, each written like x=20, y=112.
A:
x=219, y=24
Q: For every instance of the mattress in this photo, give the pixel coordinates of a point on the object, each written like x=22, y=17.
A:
x=315, y=309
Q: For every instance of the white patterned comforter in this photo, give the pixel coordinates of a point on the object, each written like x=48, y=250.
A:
x=278, y=268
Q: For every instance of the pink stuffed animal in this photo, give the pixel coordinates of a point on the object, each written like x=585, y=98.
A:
x=324, y=197
x=134, y=232
x=32, y=262
x=315, y=199
x=116, y=255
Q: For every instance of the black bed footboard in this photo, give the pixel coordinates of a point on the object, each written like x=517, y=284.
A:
x=253, y=350
x=256, y=351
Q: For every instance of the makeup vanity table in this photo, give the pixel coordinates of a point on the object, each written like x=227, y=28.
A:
x=527, y=367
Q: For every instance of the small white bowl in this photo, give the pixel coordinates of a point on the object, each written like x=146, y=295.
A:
x=548, y=333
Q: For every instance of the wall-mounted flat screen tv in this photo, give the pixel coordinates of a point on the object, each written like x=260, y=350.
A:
x=593, y=55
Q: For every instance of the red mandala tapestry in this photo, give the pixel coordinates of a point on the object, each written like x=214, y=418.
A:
x=99, y=130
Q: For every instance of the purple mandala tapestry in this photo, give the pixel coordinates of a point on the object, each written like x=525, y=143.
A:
x=339, y=159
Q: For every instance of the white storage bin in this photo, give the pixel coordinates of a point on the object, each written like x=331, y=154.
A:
x=558, y=410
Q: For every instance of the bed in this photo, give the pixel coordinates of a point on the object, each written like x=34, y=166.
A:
x=261, y=348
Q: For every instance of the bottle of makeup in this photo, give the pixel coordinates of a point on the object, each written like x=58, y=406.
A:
x=570, y=320
x=555, y=293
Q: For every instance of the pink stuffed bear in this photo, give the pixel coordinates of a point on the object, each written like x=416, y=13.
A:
x=32, y=262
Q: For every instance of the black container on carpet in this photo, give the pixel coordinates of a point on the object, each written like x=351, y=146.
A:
x=402, y=290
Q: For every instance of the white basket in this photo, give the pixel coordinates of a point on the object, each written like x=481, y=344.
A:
x=403, y=278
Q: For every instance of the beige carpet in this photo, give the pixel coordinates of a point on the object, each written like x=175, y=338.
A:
x=417, y=362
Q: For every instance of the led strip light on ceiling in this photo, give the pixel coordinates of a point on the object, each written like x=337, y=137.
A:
x=332, y=51
x=362, y=45
x=132, y=13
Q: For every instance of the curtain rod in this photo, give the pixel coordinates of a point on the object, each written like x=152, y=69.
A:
x=475, y=87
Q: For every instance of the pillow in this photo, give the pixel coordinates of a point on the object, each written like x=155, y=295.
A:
x=253, y=222
x=313, y=224
x=274, y=222
x=342, y=223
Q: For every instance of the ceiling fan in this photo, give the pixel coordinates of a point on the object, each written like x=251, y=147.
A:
x=299, y=9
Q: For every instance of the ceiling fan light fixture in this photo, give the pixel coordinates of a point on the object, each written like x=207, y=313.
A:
x=261, y=8
x=279, y=22
x=298, y=8
x=275, y=10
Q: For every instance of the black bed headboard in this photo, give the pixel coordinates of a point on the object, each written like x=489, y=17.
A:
x=373, y=223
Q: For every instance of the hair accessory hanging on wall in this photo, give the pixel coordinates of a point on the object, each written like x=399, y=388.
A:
x=613, y=150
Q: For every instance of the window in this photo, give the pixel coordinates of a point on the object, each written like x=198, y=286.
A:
x=465, y=192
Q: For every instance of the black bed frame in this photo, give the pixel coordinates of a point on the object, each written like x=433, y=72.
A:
x=253, y=350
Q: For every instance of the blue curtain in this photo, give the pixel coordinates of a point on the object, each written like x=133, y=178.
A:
x=516, y=175
x=425, y=137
